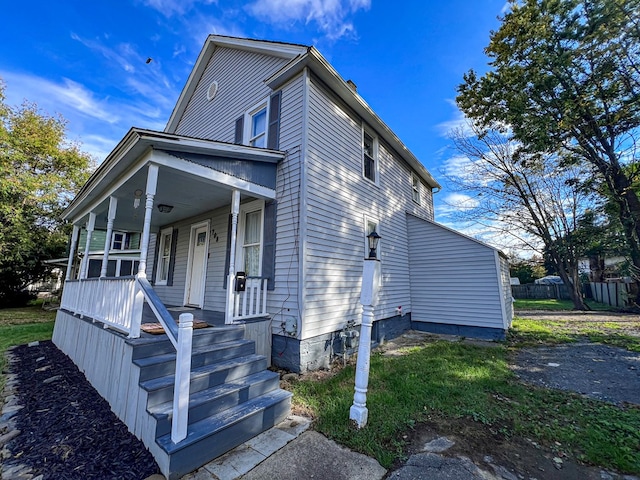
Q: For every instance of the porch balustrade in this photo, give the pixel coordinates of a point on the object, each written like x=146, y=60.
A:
x=106, y=300
x=252, y=303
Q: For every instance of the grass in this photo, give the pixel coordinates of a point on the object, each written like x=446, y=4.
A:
x=457, y=380
x=555, y=304
x=624, y=334
x=23, y=325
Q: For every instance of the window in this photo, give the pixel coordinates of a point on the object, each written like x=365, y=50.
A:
x=371, y=225
x=415, y=186
x=250, y=239
x=119, y=241
x=164, y=256
x=370, y=157
x=258, y=127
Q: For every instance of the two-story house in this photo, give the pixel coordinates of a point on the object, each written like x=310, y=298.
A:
x=253, y=208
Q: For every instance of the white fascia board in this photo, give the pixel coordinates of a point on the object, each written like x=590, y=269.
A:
x=164, y=159
x=319, y=65
x=277, y=49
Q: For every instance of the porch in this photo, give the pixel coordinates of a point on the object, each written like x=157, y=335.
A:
x=183, y=391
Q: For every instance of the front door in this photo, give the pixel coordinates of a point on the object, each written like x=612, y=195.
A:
x=197, y=265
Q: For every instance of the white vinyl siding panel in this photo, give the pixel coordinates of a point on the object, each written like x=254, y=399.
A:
x=454, y=279
x=240, y=76
x=338, y=198
x=506, y=290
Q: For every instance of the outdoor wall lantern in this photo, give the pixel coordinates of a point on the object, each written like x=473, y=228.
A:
x=373, y=238
x=165, y=208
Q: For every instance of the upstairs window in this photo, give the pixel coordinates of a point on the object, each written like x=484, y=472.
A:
x=415, y=189
x=370, y=157
x=120, y=241
x=258, y=127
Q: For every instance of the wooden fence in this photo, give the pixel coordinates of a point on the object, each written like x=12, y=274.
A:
x=534, y=291
x=613, y=293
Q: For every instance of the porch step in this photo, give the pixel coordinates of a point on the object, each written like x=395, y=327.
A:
x=159, y=344
x=211, y=437
x=165, y=364
x=160, y=389
x=215, y=400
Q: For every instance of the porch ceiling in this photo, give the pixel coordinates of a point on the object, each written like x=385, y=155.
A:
x=191, y=188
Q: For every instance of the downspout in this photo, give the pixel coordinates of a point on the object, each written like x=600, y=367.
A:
x=302, y=205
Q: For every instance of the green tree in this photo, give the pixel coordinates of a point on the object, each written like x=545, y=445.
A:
x=527, y=271
x=40, y=171
x=566, y=75
x=524, y=197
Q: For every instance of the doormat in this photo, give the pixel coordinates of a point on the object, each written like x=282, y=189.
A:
x=180, y=309
x=158, y=329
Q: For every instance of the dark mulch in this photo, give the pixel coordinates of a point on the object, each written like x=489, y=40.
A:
x=68, y=430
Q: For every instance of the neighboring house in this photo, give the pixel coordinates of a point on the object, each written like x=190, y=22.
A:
x=269, y=175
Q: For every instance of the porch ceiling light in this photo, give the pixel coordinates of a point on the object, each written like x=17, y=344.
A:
x=373, y=238
x=165, y=208
x=136, y=198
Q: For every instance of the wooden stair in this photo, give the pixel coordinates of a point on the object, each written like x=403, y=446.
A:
x=233, y=397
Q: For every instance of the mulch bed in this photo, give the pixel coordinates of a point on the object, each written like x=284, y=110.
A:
x=68, y=430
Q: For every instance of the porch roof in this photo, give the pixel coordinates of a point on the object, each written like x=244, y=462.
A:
x=196, y=175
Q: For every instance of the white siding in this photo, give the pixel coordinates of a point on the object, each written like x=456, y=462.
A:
x=338, y=198
x=454, y=279
x=240, y=76
x=505, y=278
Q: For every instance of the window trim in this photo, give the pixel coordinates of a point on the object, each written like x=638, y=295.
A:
x=250, y=207
x=416, y=189
x=163, y=233
x=248, y=123
x=369, y=219
x=376, y=156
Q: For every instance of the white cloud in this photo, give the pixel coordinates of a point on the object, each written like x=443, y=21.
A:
x=458, y=123
x=331, y=16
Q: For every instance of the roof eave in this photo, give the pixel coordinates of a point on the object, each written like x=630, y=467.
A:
x=314, y=60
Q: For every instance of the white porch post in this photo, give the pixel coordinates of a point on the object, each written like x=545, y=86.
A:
x=180, y=420
x=152, y=184
x=91, y=223
x=235, y=210
x=113, y=205
x=72, y=251
x=369, y=298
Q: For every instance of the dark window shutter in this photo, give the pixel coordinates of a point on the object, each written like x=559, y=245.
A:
x=239, y=130
x=172, y=258
x=154, y=260
x=227, y=256
x=269, y=244
x=273, y=136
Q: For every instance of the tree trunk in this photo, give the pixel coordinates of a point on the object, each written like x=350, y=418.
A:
x=571, y=281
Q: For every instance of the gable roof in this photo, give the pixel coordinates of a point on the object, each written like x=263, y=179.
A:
x=300, y=57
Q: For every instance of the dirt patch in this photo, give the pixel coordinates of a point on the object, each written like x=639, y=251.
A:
x=488, y=448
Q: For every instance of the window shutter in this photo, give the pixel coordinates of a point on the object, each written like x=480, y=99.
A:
x=269, y=244
x=156, y=249
x=273, y=136
x=227, y=256
x=239, y=130
x=172, y=258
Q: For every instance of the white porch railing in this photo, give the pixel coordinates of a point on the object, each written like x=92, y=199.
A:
x=117, y=302
x=251, y=303
x=106, y=300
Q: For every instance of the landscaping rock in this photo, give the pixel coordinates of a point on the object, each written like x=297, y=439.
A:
x=7, y=437
x=438, y=445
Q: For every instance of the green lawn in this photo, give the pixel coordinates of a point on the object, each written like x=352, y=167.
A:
x=554, y=304
x=23, y=325
x=454, y=380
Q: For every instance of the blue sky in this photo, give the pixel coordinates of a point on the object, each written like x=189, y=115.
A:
x=87, y=60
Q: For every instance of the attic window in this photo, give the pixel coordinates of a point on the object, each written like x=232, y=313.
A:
x=212, y=90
